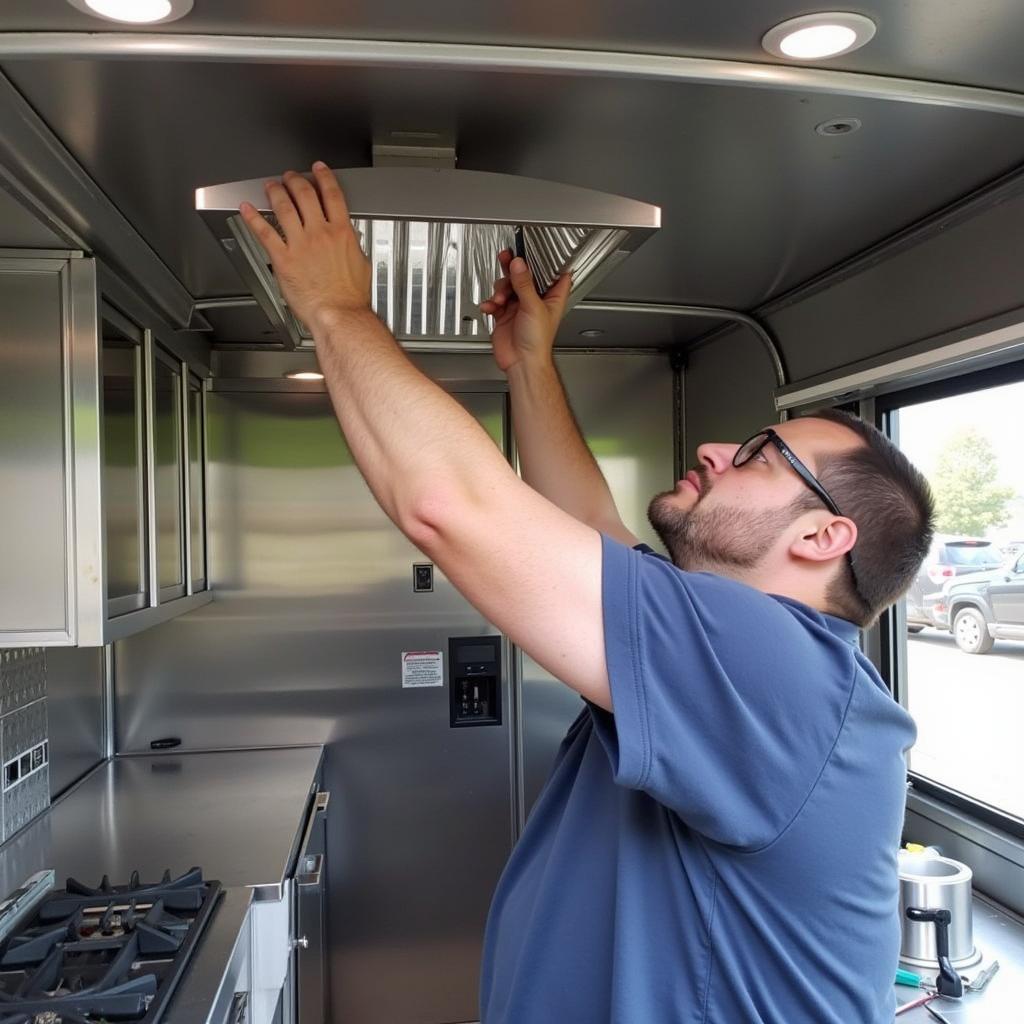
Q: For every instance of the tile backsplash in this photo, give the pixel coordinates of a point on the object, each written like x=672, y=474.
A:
x=24, y=749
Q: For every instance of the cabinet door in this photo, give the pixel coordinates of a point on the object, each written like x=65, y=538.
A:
x=168, y=475
x=124, y=469
x=33, y=530
x=51, y=535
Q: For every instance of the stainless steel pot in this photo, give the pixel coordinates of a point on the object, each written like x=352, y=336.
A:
x=936, y=883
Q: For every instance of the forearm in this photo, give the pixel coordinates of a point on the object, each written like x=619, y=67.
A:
x=553, y=456
x=410, y=439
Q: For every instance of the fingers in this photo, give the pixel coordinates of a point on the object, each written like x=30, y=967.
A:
x=492, y=307
x=558, y=294
x=284, y=209
x=264, y=233
x=522, y=284
x=333, y=199
x=305, y=198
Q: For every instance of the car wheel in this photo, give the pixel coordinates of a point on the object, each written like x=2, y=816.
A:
x=914, y=629
x=971, y=632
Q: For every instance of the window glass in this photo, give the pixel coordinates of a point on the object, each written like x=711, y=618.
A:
x=195, y=483
x=123, y=470
x=168, y=473
x=964, y=656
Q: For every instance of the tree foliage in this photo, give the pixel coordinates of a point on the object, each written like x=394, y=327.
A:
x=967, y=497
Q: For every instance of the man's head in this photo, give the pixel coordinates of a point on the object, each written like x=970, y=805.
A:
x=762, y=522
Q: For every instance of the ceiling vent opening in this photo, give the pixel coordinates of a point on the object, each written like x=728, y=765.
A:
x=433, y=236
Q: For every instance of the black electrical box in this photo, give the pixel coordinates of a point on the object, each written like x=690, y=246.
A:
x=474, y=680
x=422, y=577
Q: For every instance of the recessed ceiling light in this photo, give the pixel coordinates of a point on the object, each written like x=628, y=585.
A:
x=137, y=12
x=305, y=375
x=838, y=126
x=814, y=36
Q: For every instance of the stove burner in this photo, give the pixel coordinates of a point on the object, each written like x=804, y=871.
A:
x=113, y=953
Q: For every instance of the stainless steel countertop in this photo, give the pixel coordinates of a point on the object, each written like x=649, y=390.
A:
x=999, y=936
x=203, y=982
x=236, y=814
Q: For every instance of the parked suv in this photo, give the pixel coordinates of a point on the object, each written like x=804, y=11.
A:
x=948, y=558
x=982, y=607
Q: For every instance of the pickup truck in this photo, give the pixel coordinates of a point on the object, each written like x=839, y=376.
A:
x=981, y=607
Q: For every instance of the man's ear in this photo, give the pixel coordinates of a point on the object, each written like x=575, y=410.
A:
x=825, y=539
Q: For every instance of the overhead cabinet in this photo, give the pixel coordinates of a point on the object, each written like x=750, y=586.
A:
x=102, y=526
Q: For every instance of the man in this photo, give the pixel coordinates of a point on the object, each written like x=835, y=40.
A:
x=717, y=842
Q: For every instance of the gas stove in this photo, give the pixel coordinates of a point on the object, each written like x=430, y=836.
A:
x=111, y=953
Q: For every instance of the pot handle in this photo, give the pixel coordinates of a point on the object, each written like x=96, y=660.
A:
x=948, y=983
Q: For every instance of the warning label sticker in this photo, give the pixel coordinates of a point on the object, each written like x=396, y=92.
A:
x=422, y=668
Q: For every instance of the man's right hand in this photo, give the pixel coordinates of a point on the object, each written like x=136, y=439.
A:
x=524, y=323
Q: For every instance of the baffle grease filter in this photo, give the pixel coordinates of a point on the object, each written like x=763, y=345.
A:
x=433, y=236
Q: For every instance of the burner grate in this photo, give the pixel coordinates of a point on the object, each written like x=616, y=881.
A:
x=113, y=953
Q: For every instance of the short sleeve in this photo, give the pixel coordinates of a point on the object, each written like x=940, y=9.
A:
x=727, y=702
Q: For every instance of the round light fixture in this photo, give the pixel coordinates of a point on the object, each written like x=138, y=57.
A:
x=305, y=375
x=815, y=36
x=135, y=12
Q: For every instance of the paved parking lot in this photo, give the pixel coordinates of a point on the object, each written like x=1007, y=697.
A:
x=969, y=710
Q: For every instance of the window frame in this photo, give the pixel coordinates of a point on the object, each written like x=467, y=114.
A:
x=892, y=625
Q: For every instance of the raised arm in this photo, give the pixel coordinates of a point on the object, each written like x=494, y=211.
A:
x=554, y=458
x=527, y=566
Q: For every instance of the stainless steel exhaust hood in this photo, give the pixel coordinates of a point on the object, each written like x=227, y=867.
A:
x=433, y=236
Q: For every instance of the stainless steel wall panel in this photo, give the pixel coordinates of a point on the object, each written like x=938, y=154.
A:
x=74, y=686
x=313, y=608
x=728, y=391
x=957, y=276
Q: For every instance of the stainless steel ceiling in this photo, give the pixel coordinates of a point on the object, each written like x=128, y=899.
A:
x=974, y=42
x=754, y=201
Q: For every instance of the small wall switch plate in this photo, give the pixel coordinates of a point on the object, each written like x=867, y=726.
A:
x=422, y=578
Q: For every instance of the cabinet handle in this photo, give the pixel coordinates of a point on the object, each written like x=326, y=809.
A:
x=302, y=943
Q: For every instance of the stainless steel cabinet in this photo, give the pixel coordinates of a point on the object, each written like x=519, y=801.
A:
x=96, y=511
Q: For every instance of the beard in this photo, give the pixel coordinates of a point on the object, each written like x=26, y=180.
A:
x=709, y=539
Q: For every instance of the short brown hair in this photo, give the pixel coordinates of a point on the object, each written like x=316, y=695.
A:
x=889, y=500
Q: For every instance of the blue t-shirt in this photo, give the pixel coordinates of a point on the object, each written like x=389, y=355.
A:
x=722, y=849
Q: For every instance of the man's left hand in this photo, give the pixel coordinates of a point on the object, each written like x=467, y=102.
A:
x=319, y=264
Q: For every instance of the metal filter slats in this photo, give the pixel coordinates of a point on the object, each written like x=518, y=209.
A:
x=429, y=277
